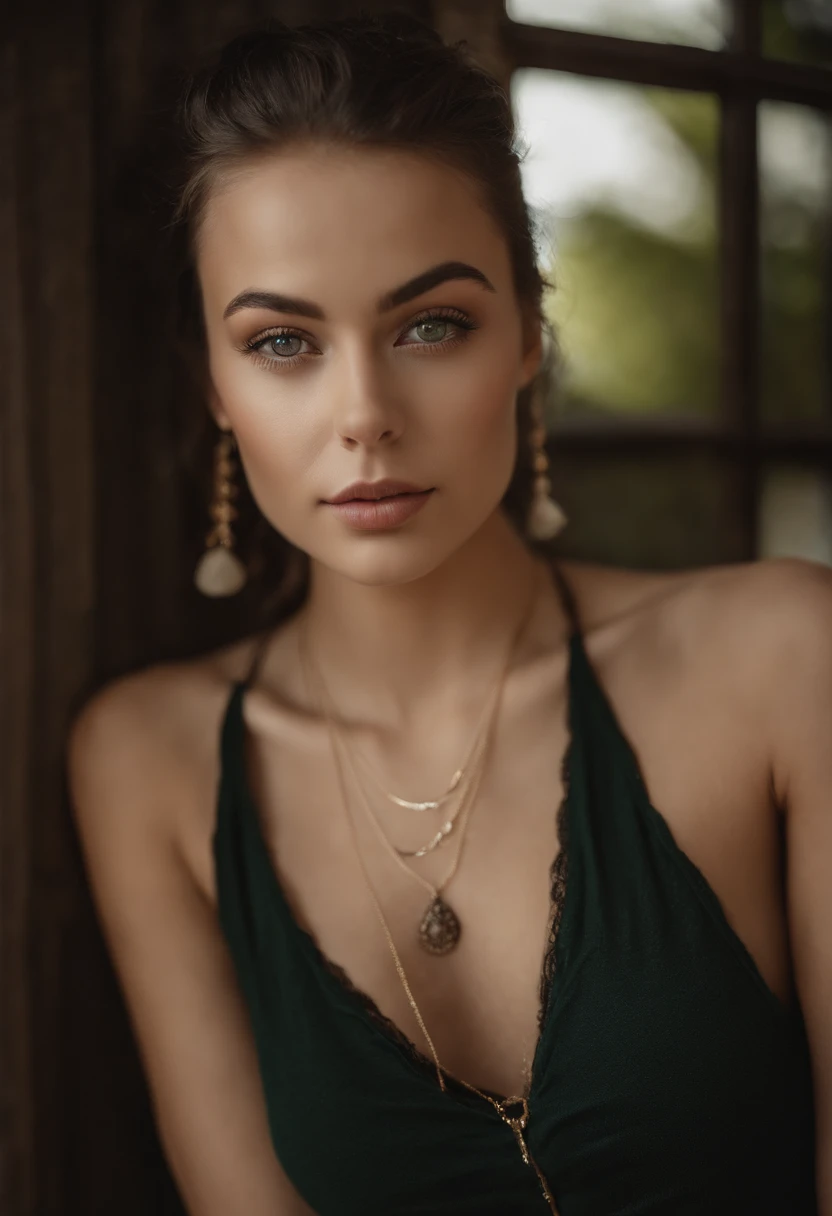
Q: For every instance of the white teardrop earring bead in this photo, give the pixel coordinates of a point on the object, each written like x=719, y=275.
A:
x=546, y=518
x=219, y=572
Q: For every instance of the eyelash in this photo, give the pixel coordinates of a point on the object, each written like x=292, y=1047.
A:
x=459, y=319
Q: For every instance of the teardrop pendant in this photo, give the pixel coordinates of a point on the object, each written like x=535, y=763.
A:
x=440, y=929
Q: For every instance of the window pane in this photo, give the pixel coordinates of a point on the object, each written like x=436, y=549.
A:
x=691, y=22
x=664, y=512
x=621, y=181
x=796, y=514
x=796, y=227
x=799, y=30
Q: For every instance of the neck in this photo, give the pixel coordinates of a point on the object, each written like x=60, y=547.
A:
x=404, y=652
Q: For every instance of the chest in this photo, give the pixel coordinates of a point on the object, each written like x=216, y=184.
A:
x=480, y=1002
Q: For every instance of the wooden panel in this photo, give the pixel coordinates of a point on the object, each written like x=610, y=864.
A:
x=47, y=577
x=17, y=595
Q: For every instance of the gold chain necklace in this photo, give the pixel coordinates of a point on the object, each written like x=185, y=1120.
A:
x=439, y=928
x=517, y=1121
x=455, y=780
x=474, y=761
x=474, y=753
x=447, y=827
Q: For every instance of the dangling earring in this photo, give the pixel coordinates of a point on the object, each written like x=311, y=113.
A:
x=219, y=571
x=546, y=517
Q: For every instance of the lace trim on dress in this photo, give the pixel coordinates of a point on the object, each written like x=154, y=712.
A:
x=375, y=1013
x=557, y=875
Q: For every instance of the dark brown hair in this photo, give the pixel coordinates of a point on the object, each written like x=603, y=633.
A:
x=384, y=81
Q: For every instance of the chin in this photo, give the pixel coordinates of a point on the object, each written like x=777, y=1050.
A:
x=387, y=559
x=386, y=562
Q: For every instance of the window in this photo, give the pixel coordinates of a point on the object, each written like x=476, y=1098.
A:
x=679, y=168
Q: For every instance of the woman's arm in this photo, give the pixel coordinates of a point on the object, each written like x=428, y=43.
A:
x=792, y=609
x=173, y=965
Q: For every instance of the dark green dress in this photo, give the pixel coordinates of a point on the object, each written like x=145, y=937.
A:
x=668, y=1078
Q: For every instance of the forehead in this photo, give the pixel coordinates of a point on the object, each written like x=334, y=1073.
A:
x=343, y=226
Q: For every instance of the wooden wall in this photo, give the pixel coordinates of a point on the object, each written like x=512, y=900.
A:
x=94, y=532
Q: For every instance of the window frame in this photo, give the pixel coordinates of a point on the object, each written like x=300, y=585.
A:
x=740, y=77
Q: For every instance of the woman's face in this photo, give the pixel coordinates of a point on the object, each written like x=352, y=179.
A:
x=338, y=352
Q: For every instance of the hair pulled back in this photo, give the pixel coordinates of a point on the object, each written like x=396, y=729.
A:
x=380, y=82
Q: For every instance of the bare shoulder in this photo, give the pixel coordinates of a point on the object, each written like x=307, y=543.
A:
x=733, y=608
x=752, y=640
x=731, y=644
x=158, y=727
x=756, y=619
x=784, y=597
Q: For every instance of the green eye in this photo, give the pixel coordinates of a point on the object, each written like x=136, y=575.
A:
x=440, y=331
x=277, y=339
x=432, y=326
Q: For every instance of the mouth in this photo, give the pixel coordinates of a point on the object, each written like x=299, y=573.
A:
x=373, y=491
x=384, y=497
x=383, y=513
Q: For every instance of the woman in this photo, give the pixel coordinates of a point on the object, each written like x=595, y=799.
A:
x=369, y=968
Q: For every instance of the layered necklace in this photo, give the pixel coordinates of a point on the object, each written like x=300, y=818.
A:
x=439, y=929
x=475, y=752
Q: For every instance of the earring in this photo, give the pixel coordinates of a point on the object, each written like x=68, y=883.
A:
x=546, y=518
x=219, y=571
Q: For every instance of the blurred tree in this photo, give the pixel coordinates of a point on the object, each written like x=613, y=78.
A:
x=636, y=303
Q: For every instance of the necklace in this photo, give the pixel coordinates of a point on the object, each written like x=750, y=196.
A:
x=439, y=928
x=435, y=804
x=514, y=1111
x=447, y=827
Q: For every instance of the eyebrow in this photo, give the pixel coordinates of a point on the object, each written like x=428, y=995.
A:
x=417, y=286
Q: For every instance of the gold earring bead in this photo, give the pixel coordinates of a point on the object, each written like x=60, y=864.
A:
x=219, y=572
x=546, y=518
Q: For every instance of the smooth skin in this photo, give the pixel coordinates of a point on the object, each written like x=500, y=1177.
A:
x=721, y=677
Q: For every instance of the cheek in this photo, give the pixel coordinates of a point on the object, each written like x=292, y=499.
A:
x=274, y=454
x=273, y=434
x=275, y=457
x=477, y=418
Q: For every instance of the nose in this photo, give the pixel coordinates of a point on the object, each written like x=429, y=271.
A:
x=365, y=412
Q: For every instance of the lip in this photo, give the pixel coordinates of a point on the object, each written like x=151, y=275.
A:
x=383, y=513
x=376, y=489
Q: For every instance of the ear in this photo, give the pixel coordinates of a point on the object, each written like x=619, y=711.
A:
x=532, y=348
x=216, y=407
